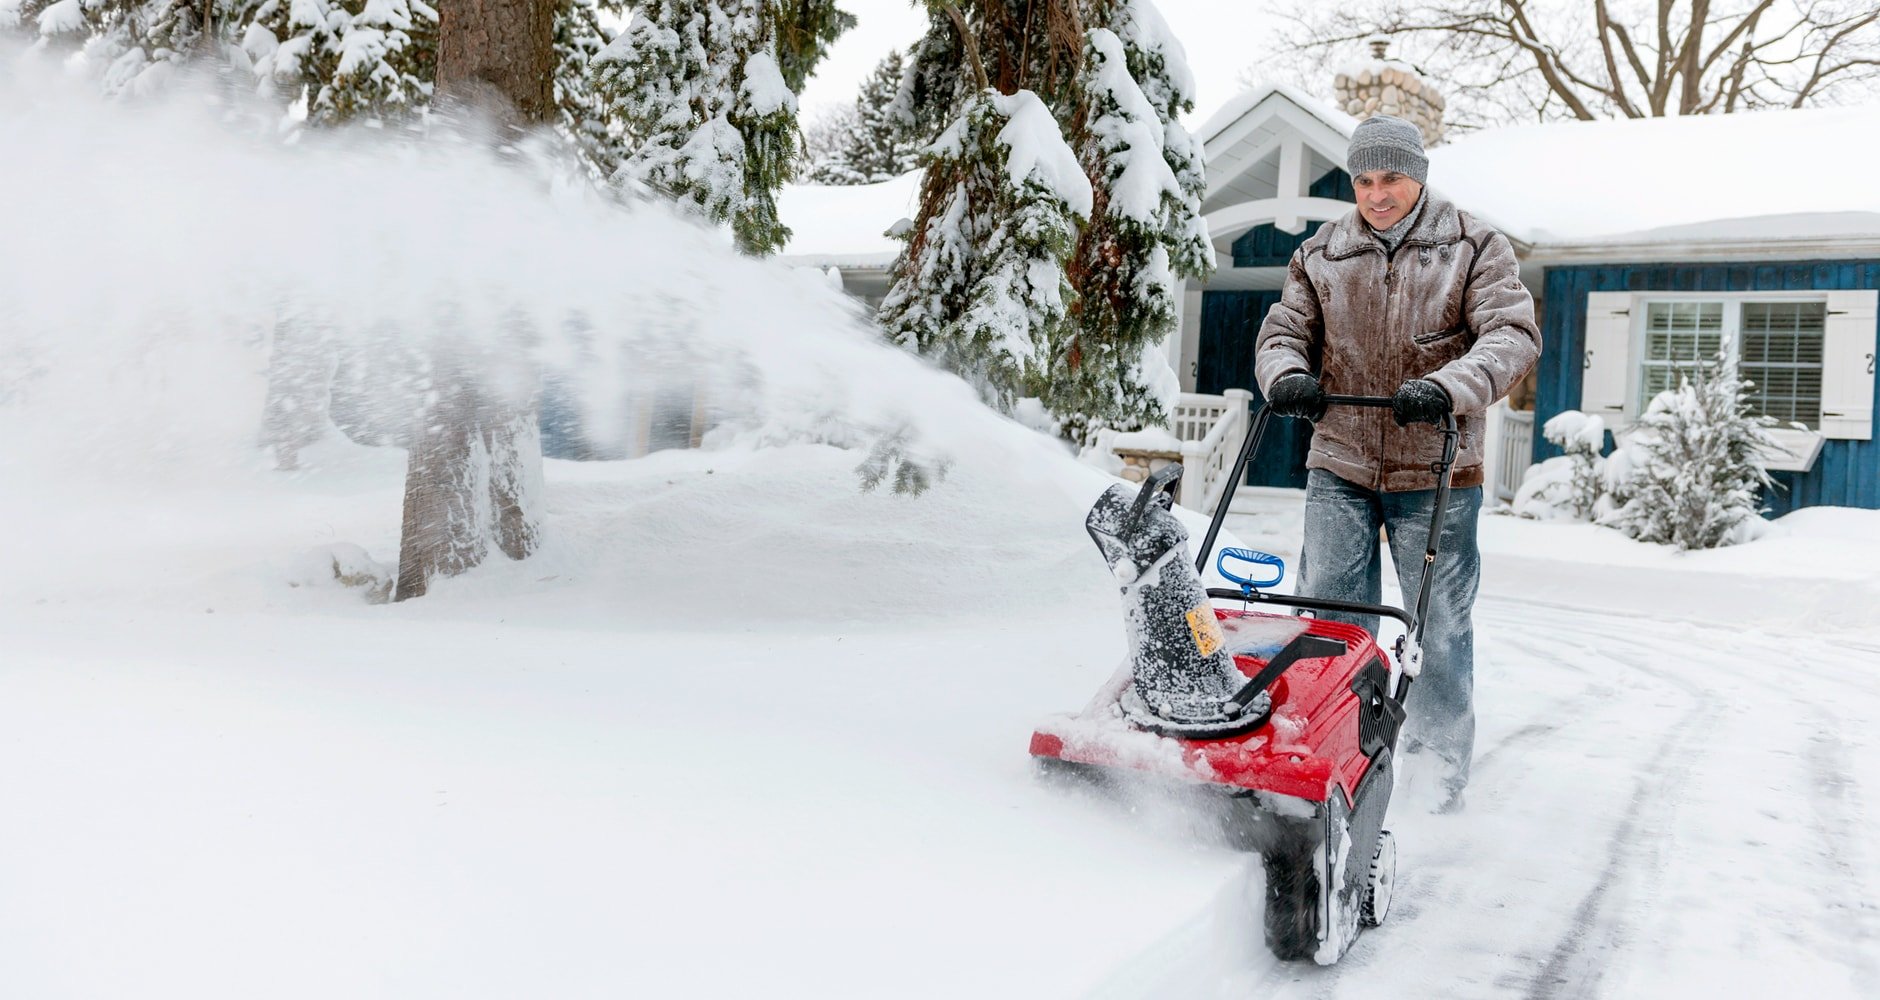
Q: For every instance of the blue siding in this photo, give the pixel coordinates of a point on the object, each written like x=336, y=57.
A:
x=1229, y=323
x=1265, y=246
x=1846, y=473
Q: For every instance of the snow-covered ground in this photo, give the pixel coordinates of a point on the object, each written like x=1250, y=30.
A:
x=742, y=729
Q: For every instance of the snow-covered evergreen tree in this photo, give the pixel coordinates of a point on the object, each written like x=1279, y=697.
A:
x=585, y=114
x=1117, y=90
x=1695, y=463
x=878, y=141
x=825, y=141
x=353, y=59
x=983, y=285
x=704, y=90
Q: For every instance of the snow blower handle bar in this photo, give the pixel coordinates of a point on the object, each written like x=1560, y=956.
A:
x=1441, y=468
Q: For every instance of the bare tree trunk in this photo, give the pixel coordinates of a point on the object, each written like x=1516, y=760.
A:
x=301, y=365
x=499, y=55
x=476, y=455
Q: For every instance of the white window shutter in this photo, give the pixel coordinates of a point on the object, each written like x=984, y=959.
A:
x=1607, y=364
x=1847, y=364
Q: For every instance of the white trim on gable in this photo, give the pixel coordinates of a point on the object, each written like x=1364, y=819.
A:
x=1228, y=224
x=1276, y=132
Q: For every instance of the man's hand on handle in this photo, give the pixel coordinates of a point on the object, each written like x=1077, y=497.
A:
x=1417, y=401
x=1297, y=395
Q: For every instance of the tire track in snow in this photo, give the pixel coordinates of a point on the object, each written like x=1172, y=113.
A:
x=1835, y=818
x=1636, y=846
x=1756, y=659
x=1448, y=877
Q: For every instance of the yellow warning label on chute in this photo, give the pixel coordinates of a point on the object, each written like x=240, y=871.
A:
x=1207, y=629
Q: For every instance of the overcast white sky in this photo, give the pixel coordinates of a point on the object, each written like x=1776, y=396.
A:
x=1222, y=38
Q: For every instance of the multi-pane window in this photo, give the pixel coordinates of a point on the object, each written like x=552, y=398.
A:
x=1679, y=336
x=1775, y=344
x=1779, y=350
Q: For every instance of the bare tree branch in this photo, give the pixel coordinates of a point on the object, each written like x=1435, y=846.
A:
x=1515, y=60
x=1604, y=22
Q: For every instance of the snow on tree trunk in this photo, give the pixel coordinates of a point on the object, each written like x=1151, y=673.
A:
x=1694, y=463
x=499, y=55
x=474, y=475
x=982, y=286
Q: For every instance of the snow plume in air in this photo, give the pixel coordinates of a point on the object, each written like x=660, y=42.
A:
x=157, y=250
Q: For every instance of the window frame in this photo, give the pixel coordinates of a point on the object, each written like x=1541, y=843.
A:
x=1803, y=445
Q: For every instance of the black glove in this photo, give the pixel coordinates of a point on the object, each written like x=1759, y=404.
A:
x=1297, y=395
x=1419, y=401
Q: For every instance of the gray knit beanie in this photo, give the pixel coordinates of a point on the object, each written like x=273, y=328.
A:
x=1386, y=143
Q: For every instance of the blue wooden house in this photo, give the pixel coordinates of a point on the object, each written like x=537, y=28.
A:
x=1647, y=244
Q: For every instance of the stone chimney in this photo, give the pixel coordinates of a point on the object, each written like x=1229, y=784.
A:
x=1385, y=86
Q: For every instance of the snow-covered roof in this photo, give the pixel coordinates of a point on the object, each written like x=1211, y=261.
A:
x=1742, y=184
x=1251, y=98
x=1713, y=179
x=846, y=226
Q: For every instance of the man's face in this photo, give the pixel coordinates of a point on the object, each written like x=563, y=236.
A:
x=1385, y=197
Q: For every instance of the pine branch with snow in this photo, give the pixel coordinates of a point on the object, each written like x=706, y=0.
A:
x=1116, y=83
x=983, y=285
x=375, y=62
x=130, y=45
x=584, y=114
x=707, y=106
x=1695, y=463
x=805, y=30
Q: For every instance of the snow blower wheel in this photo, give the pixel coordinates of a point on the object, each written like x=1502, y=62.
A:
x=1378, y=888
x=1292, y=905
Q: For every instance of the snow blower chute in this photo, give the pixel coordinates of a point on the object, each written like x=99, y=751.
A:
x=1291, y=721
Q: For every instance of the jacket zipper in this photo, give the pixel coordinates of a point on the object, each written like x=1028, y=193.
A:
x=1383, y=426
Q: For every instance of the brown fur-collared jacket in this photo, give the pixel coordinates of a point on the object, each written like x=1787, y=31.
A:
x=1448, y=306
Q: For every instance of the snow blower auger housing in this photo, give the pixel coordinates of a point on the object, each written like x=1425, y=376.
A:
x=1291, y=721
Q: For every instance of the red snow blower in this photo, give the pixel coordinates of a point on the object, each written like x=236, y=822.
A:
x=1287, y=722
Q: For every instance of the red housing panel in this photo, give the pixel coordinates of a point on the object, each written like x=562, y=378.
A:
x=1309, y=746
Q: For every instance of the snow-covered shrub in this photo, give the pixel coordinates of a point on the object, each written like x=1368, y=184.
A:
x=1692, y=467
x=1566, y=486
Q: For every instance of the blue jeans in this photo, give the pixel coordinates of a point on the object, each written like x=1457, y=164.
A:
x=1342, y=560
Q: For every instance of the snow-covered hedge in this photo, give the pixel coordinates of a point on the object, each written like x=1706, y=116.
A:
x=1689, y=474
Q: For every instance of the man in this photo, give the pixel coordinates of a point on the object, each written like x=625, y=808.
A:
x=1409, y=298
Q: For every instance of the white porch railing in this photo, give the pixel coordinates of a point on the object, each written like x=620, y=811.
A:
x=1514, y=448
x=1209, y=431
